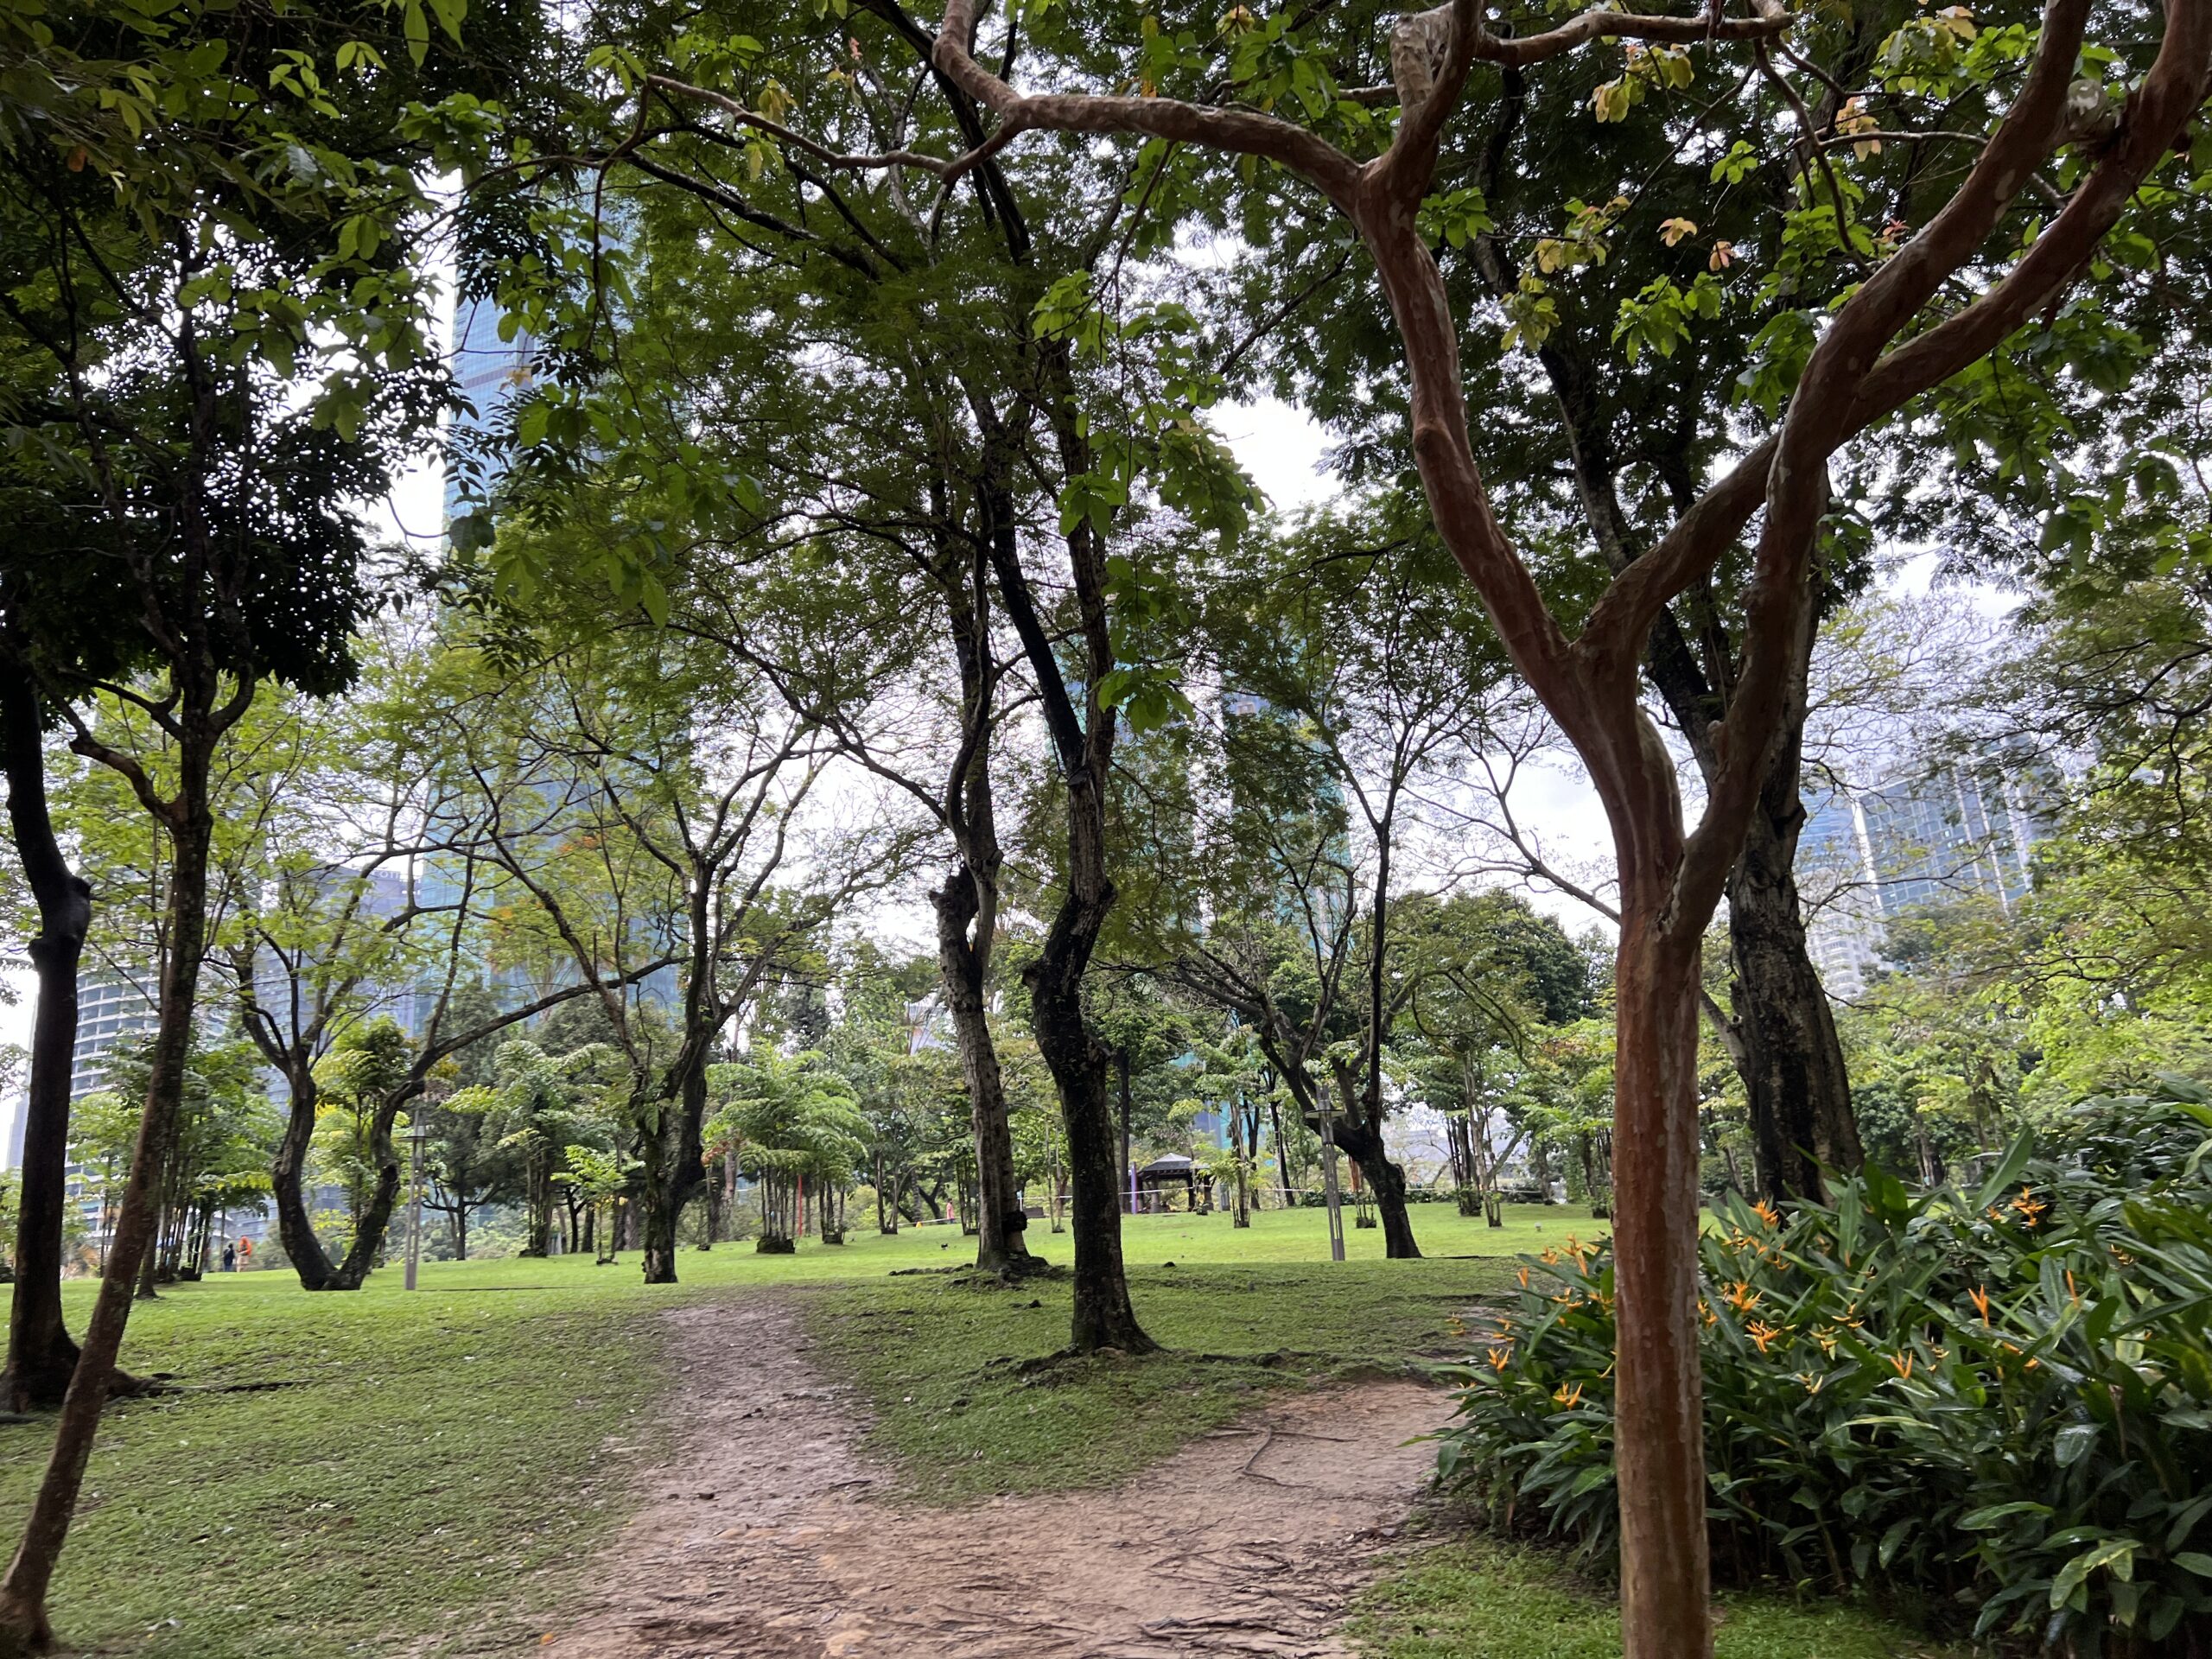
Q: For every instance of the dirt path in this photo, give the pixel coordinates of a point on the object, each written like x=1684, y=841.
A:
x=772, y=1538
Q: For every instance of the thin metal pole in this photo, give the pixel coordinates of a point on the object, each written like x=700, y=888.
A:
x=1329, y=1186
x=415, y=1204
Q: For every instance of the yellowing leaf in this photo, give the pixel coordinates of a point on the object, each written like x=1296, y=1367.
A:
x=1723, y=255
x=1672, y=231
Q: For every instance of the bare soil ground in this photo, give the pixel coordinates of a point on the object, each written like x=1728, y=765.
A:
x=772, y=1535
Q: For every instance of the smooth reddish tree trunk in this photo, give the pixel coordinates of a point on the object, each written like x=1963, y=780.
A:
x=1658, y=1414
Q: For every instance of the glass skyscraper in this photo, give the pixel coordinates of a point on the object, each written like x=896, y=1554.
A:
x=1866, y=859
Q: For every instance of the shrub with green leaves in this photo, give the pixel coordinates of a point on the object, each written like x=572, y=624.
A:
x=1997, y=1398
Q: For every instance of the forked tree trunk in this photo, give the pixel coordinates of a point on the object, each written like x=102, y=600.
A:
x=41, y=1355
x=288, y=1185
x=374, y=1225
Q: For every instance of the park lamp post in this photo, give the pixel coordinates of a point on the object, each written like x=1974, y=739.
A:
x=418, y=1130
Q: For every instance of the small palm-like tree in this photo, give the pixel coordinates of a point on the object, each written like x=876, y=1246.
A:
x=539, y=1104
x=791, y=1119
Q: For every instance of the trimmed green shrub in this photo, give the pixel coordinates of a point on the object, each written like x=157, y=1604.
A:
x=1999, y=1398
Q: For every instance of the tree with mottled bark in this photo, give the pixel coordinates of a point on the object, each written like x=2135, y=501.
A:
x=1901, y=331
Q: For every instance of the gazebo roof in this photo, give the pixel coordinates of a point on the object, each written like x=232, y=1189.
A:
x=1173, y=1163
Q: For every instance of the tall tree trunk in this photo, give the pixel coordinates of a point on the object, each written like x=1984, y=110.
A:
x=1358, y=1132
x=538, y=1205
x=1282, y=1153
x=1791, y=1059
x=674, y=1156
x=1000, y=1223
x=1659, y=1439
x=24, y=1626
x=1386, y=1186
x=1782, y=1039
x=1083, y=744
x=41, y=1355
x=1236, y=1152
x=150, y=1261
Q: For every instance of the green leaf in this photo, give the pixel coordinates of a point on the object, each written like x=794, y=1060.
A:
x=2007, y=1171
x=415, y=24
x=1886, y=1195
x=2074, y=1443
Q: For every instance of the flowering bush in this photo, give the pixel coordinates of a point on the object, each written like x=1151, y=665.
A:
x=2000, y=1397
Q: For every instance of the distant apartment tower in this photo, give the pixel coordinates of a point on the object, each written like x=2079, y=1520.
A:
x=1867, y=859
x=110, y=1007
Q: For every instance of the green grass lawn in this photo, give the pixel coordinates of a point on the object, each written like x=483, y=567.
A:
x=447, y=1460
x=450, y=1452
x=939, y=1360
x=1477, y=1598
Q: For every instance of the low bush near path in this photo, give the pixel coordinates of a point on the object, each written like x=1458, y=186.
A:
x=1996, y=1399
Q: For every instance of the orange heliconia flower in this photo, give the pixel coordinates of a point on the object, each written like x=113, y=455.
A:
x=1568, y=1398
x=1761, y=1332
x=1902, y=1363
x=1979, y=1298
x=1742, y=1297
x=1500, y=1358
x=1767, y=1213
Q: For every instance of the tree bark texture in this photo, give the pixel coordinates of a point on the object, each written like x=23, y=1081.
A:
x=41, y=1356
x=1001, y=1222
x=288, y=1186
x=1659, y=1421
x=1789, y=1055
x=968, y=905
